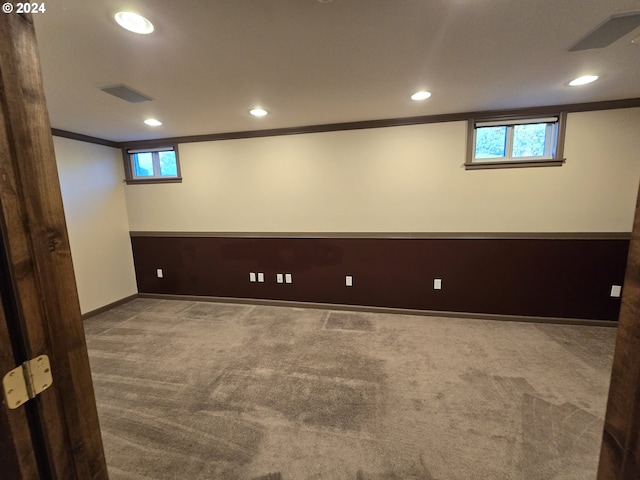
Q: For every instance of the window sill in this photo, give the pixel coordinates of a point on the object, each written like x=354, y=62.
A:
x=557, y=162
x=154, y=180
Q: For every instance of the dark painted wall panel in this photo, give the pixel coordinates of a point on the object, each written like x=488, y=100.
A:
x=568, y=278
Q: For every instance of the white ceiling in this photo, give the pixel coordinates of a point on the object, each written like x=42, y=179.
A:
x=308, y=63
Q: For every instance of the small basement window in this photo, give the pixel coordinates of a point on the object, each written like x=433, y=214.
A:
x=515, y=142
x=152, y=165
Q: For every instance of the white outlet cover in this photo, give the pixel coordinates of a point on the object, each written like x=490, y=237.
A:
x=260, y=277
x=349, y=281
x=616, y=290
x=279, y=278
x=159, y=273
x=252, y=276
x=288, y=278
x=437, y=284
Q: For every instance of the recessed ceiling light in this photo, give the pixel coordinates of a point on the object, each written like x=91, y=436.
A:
x=420, y=95
x=583, y=80
x=152, y=122
x=258, y=112
x=133, y=22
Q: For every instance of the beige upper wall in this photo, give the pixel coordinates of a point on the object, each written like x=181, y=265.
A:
x=397, y=179
x=94, y=204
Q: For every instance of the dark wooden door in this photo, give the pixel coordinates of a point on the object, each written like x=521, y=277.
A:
x=17, y=453
x=56, y=435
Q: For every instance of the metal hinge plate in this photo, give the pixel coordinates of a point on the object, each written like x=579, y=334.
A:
x=26, y=381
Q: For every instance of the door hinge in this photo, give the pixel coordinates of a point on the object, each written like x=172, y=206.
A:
x=26, y=381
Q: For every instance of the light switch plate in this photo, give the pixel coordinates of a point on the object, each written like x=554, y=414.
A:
x=437, y=284
x=288, y=278
x=616, y=290
x=260, y=277
x=159, y=273
x=252, y=276
x=349, y=281
x=279, y=278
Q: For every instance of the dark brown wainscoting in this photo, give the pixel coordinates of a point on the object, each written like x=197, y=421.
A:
x=543, y=277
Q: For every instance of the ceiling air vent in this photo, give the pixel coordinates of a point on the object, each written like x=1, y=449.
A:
x=125, y=93
x=613, y=28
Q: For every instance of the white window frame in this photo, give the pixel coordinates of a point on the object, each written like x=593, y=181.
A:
x=554, y=142
x=130, y=171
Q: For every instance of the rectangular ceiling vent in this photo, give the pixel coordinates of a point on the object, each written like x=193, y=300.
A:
x=613, y=28
x=125, y=93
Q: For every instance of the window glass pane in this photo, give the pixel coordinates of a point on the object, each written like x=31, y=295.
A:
x=529, y=140
x=168, y=166
x=143, y=164
x=491, y=142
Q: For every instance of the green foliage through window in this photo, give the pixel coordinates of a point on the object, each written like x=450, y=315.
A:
x=491, y=142
x=168, y=166
x=152, y=164
x=143, y=164
x=529, y=140
x=515, y=140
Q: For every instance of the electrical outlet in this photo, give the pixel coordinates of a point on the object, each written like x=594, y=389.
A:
x=288, y=278
x=616, y=290
x=252, y=276
x=437, y=284
x=279, y=278
x=159, y=273
x=349, y=281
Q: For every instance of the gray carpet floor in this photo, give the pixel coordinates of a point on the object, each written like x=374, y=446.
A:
x=192, y=390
